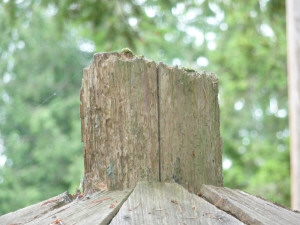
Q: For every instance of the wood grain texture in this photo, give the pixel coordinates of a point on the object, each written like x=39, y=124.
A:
x=147, y=121
x=27, y=214
x=248, y=208
x=98, y=208
x=119, y=121
x=191, y=152
x=169, y=203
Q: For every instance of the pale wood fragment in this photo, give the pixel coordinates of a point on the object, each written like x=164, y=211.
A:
x=248, y=208
x=293, y=55
x=169, y=203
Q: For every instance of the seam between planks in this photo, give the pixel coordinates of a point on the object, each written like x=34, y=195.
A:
x=158, y=122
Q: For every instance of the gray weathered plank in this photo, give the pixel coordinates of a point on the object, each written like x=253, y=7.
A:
x=99, y=208
x=191, y=152
x=27, y=214
x=248, y=208
x=169, y=203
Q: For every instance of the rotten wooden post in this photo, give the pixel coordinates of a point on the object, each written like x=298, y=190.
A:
x=147, y=121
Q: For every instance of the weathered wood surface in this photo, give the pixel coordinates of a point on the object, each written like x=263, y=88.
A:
x=248, y=208
x=98, y=208
x=169, y=203
x=148, y=121
x=190, y=129
x=27, y=214
x=119, y=122
x=155, y=203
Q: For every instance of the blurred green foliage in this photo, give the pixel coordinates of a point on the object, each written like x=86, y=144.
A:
x=44, y=46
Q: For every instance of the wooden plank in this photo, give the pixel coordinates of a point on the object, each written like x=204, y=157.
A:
x=248, y=208
x=169, y=203
x=191, y=152
x=119, y=121
x=98, y=208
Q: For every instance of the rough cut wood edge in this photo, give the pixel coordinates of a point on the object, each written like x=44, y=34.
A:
x=98, y=208
x=248, y=208
x=169, y=203
x=119, y=122
x=191, y=153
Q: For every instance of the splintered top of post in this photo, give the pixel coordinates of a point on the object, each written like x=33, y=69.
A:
x=127, y=55
x=142, y=120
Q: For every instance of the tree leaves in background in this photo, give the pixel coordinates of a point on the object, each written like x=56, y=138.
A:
x=40, y=125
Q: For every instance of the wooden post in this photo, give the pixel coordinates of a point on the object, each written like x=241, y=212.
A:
x=143, y=121
x=293, y=44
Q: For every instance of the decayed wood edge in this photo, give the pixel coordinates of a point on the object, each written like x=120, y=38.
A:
x=249, y=209
x=169, y=203
x=98, y=208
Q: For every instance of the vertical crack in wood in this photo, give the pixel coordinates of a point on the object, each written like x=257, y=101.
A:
x=158, y=123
